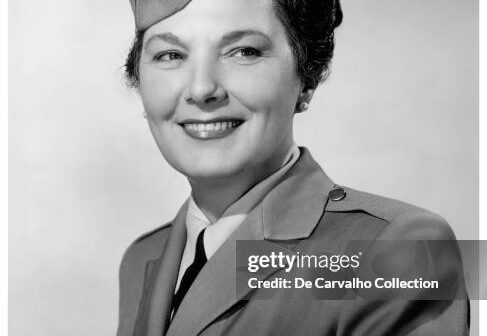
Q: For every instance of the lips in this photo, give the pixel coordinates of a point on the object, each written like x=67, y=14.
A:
x=210, y=129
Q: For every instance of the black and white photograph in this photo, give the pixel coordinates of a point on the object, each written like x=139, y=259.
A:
x=243, y=167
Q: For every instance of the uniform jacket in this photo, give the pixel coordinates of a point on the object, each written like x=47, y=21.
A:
x=305, y=210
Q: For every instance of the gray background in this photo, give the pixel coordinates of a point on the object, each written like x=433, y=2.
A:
x=397, y=117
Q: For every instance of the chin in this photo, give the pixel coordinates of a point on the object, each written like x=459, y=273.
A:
x=211, y=170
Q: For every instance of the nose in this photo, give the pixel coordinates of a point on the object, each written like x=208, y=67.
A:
x=204, y=88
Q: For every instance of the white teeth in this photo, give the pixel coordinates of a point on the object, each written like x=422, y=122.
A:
x=227, y=125
x=217, y=126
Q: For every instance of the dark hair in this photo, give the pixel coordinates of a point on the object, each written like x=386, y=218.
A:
x=310, y=26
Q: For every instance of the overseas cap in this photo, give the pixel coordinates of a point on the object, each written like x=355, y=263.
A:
x=149, y=12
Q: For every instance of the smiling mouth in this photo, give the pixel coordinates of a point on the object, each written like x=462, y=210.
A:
x=213, y=129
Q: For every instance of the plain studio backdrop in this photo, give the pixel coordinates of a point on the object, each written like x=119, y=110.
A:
x=398, y=117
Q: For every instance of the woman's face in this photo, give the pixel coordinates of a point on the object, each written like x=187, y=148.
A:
x=219, y=87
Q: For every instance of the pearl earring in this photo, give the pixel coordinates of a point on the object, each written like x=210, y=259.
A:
x=145, y=115
x=303, y=106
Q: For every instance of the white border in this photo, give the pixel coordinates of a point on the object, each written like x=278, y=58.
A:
x=482, y=149
x=3, y=167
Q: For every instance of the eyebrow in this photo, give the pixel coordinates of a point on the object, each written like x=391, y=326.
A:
x=228, y=38
x=167, y=37
x=237, y=35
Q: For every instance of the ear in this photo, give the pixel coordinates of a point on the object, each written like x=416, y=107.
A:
x=306, y=95
x=304, y=99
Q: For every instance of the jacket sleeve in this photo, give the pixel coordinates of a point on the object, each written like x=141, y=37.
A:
x=412, y=245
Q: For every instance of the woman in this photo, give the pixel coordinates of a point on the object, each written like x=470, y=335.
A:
x=220, y=81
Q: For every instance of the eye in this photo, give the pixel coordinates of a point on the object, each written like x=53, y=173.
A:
x=248, y=53
x=168, y=56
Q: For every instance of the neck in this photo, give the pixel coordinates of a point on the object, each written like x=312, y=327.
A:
x=215, y=195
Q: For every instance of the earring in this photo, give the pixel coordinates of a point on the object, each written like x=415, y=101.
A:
x=144, y=115
x=303, y=106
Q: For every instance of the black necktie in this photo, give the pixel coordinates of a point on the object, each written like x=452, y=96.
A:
x=191, y=272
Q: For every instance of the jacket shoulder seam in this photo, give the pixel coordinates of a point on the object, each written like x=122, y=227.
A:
x=381, y=207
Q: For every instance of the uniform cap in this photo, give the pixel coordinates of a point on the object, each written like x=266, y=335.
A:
x=149, y=12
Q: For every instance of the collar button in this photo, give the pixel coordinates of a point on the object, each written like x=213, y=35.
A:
x=337, y=194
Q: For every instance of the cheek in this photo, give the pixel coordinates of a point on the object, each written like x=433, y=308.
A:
x=159, y=93
x=273, y=83
x=271, y=93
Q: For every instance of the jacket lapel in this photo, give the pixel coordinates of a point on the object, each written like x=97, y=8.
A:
x=290, y=211
x=161, y=276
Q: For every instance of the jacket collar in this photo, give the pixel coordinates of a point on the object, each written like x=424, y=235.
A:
x=293, y=208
